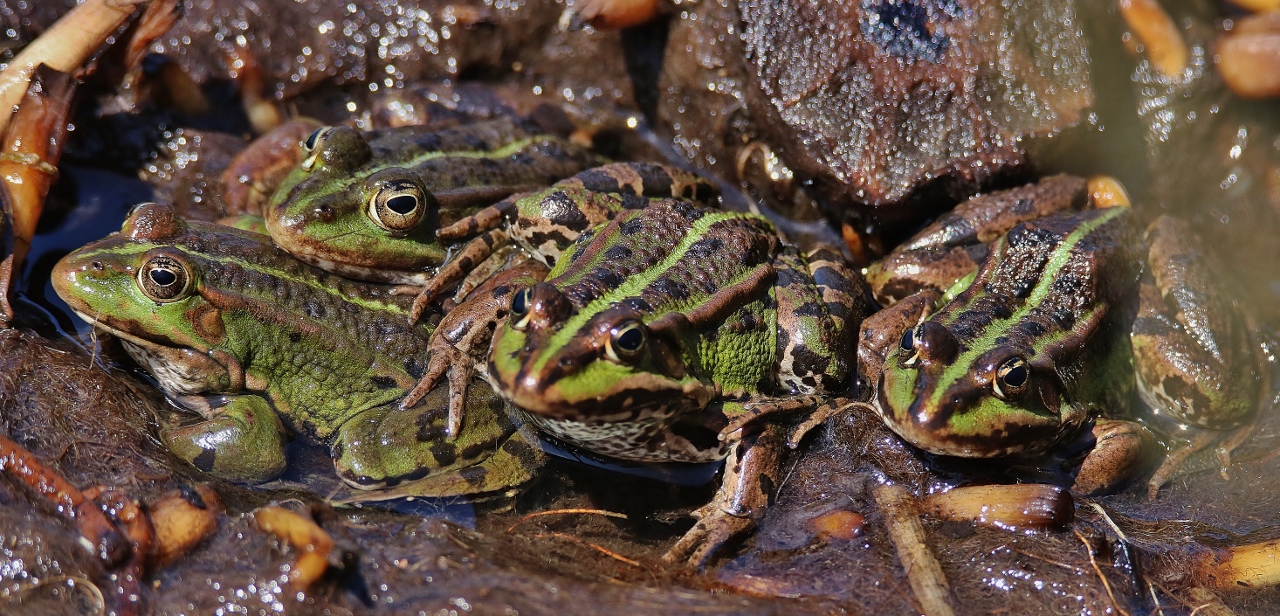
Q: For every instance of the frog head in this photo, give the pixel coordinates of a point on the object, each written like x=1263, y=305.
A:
x=351, y=211
x=600, y=365
x=144, y=286
x=962, y=402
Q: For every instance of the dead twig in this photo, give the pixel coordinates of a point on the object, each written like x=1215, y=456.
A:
x=599, y=548
x=902, y=520
x=1088, y=550
x=537, y=514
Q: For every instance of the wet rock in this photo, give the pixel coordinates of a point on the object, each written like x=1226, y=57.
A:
x=872, y=101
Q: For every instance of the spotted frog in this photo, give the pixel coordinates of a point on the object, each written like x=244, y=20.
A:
x=675, y=332
x=209, y=309
x=1068, y=313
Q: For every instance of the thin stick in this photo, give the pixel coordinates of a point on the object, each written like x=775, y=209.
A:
x=1105, y=584
x=928, y=583
x=598, y=548
x=602, y=512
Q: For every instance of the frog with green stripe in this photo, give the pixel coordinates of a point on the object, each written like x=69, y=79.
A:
x=527, y=234
x=214, y=310
x=1067, y=315
x=680, y=333
x=367, y=205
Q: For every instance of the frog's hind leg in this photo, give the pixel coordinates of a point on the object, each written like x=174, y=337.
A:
x=1196, y=355
x=748, y=486
x=385, y=447
x=821, y=302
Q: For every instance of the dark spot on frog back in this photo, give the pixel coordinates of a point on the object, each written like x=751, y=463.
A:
x=413, y=367
x=606, y=277
x=631, y=227
x=314, y=309
x=686, y=209
x=667, y=287
x=429, y=142
x=562, y=210
x=705, y=248
x=601, y=180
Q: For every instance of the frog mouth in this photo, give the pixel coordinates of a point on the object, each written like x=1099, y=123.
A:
x=639, y=398
x=148, y=345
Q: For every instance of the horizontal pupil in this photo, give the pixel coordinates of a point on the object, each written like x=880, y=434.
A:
x=402, y=205
x=163, y=278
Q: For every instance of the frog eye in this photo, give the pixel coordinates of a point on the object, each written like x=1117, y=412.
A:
x=311, y=146
x=1012, y=377
x=909, y=348
x=398, y=205
x=625, y=341
x=164, y=279
x=520, y=308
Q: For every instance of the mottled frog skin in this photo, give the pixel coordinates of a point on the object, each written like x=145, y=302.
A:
x=671, y=334
x=1068, y=313
x=368, y=205
x=214, y=310
x=538, y=227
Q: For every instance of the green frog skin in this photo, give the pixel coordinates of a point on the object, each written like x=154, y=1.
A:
x=368, y=205
x=214, y=310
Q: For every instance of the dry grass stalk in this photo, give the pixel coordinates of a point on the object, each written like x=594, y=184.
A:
x=65, y=46
x=924, y=574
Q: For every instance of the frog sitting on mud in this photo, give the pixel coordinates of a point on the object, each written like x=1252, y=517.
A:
x=214, y=310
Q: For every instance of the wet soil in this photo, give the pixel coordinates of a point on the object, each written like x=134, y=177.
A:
x=83, y=410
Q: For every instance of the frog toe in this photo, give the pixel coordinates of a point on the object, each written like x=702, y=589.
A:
x=701, y=542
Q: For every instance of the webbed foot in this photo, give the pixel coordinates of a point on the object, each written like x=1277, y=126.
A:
x=747, y=488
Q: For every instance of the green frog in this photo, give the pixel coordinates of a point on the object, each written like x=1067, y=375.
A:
x=528, y=234
x=368, y=205
x=1067, y=315
x=675, y=332
x=209, y=309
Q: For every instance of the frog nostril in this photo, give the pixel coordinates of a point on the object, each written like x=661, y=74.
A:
x=98, y=266
x=324, y=212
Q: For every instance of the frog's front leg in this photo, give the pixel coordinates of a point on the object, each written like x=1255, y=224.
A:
x=459, y=346
x=242, y=441
x=1193, y=354
x=746, y=490
x=1121, y=449
x=385, y=446
x=476, y=252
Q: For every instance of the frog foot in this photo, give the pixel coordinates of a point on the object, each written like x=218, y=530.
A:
x=833, y=408
x=768, y=408
x=1201, y=440
x=445, y=360
x=747, y=488
x=715, y=529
